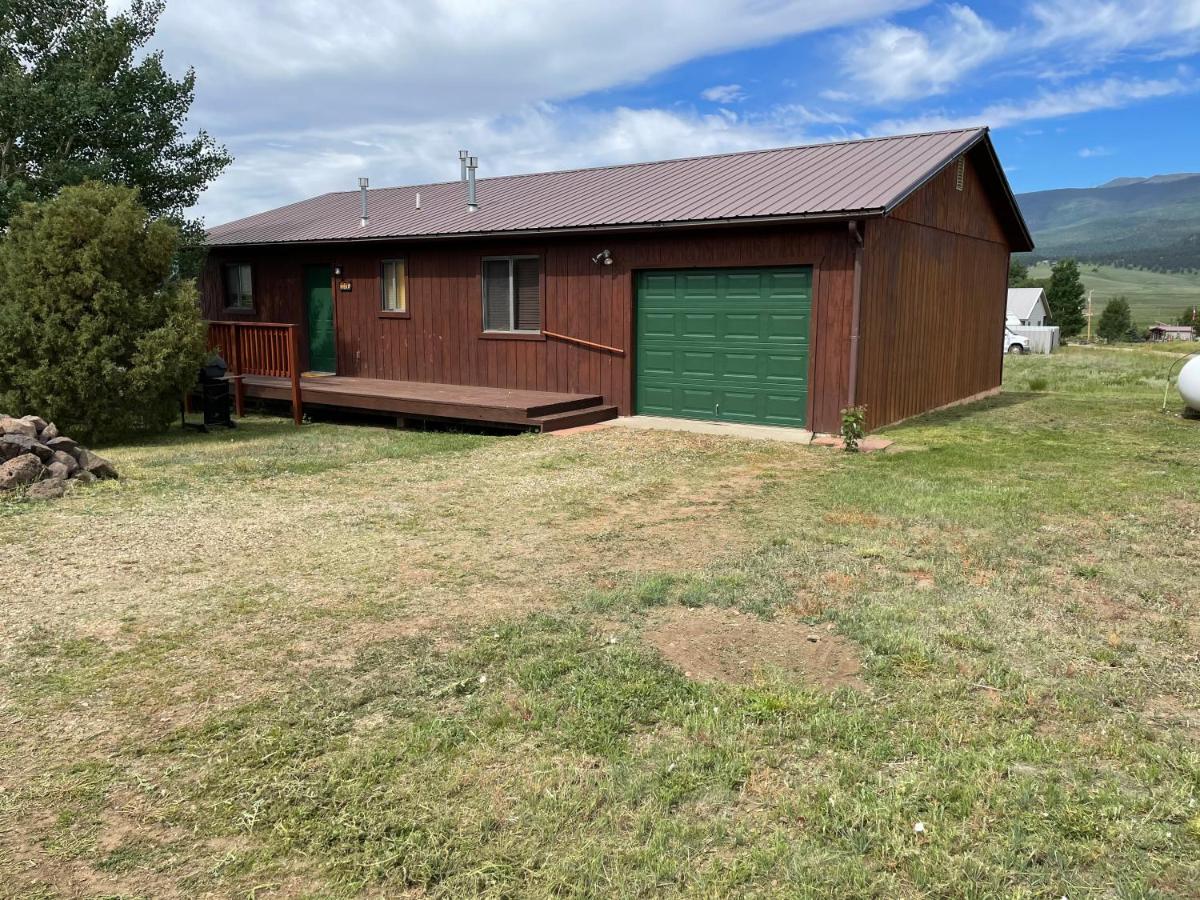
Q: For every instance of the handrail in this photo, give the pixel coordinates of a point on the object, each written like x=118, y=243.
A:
x=583, y=343
x=260, y=348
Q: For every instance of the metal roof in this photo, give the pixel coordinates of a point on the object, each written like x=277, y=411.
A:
x=861, y=177
x=1022, y=300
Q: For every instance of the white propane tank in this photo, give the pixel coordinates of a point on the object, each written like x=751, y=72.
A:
x=1189, y=383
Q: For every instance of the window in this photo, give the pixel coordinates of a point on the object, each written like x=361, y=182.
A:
x=512, y=294
x=395, y=293
x=238, y=293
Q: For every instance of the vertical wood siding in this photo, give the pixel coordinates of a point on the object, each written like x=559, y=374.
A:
x=934, y=289
x=442, y=339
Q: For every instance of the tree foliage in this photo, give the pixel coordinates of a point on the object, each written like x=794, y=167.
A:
x=1190, y=316
x=1064, y=294
x=1018, y=273
x=80, y=101
x=94, y=332
x=1116, y=322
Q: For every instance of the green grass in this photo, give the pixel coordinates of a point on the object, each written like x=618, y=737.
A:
x=1153, y=296
x=388, y=663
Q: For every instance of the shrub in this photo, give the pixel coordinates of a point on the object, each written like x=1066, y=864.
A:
x=854, y=427
x=94, y=332
x=1038, y=384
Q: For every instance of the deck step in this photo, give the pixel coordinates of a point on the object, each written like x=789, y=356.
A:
x=552, y=407
x=573, y=418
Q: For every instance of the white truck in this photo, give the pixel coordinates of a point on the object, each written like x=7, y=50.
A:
x=1015, y=343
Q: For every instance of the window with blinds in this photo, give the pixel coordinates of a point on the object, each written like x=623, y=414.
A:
x=395, y=297
x=512, y=294
x=238, y=292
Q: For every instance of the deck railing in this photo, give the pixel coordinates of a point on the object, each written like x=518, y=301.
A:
x=259, y=348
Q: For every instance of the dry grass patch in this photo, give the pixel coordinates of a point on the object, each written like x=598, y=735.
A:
x=709, y=644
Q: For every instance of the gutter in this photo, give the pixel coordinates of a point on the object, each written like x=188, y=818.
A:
x=855, y=313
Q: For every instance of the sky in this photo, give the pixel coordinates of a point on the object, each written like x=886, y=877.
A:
x=310, y=95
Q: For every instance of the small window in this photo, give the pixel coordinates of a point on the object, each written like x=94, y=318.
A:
x=395, y=294
x=512, y=298
x=238, y=292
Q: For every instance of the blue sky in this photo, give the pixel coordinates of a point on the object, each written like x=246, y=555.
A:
x=308, y=96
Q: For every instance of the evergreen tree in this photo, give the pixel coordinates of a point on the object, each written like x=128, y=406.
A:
x=1116, y=322
x=1018, y=273
x=95, y=333
x=1065, y=294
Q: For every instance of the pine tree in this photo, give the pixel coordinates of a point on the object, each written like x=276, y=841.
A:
x=1116, y=322
x=1064, y=294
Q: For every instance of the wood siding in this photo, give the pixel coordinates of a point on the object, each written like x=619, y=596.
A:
x=441, y=338
x=934, y=292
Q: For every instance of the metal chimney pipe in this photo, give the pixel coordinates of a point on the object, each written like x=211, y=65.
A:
x=462, y=162
x=472, y=165
x=362, y=187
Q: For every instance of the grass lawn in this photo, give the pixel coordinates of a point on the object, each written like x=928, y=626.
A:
x=346, y=660
x=1152, y=296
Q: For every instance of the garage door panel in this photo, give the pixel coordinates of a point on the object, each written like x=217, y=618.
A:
x=724, y=344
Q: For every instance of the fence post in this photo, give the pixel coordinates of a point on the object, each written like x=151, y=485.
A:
x=294, y=371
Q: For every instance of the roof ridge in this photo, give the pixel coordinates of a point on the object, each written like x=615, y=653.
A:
x=674, y=159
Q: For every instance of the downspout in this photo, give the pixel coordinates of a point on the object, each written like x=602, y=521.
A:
x=855, y=313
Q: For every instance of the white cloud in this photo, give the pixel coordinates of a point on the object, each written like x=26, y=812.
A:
x=1090, y=152
x=724, y=93
x=1106, y=25
x=1111, y=93
x=893, y=62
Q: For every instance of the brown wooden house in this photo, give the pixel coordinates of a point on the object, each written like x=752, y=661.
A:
x=775, y=287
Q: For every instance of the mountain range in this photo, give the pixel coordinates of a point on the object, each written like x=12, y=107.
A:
x=1149, y=223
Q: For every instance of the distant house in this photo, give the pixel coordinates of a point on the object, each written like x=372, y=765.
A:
x=1160, y=331
x=774, y=287
x=1027, y=306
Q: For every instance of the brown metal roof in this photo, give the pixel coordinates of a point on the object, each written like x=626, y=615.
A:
x=861, y=177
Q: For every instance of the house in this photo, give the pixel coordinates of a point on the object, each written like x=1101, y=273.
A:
x=1027, y=306
x=775, y=286
x=1160, y=331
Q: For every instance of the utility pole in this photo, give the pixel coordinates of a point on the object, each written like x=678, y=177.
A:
x=1088, y=314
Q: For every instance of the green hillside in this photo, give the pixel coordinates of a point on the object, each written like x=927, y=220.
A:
x=1152, y=295
x=1148, y=222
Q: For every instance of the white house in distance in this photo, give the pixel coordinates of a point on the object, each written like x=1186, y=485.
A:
x=1027, y=306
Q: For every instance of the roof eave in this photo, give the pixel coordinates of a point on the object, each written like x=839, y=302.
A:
x=837, y=216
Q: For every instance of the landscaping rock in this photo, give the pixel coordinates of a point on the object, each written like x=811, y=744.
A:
x=9, y=425
x=14, y=445
x=58, y=470
x=37, y=422
x=65, y=444
x=66, y=460
x=84, y=477
x=96, y=464
x=20, y=470
x=50, y=489
x=49, y=433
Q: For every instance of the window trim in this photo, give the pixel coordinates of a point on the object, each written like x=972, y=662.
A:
x=380, y=311
x=250, y=310
x=511, y=334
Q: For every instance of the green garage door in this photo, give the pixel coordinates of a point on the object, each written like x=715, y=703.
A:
x=725, y=344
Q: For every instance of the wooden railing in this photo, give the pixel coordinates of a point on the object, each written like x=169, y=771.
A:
x=259, y=348
x=582, y=343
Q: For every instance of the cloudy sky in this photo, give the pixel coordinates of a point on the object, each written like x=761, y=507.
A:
x=309, y=95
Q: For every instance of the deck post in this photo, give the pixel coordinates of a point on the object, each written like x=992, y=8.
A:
x=235, y=345
x=294, y=373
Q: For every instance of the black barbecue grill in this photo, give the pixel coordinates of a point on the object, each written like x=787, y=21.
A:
x=215, y=397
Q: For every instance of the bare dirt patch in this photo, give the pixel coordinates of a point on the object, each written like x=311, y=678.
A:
x=711, y=644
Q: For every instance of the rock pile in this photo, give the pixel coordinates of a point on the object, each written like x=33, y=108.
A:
x=34, y=456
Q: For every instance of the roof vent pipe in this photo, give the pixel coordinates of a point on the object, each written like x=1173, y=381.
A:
x=472, y=165
x=362, y=187
x=462, y=163
x=418, y=199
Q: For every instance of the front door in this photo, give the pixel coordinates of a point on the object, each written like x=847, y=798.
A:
x=318, y=302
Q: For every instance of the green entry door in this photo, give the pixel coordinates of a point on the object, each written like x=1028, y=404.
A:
x=724, y=344
x=318, y=301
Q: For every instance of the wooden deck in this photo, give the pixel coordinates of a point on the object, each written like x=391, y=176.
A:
x=536, y=410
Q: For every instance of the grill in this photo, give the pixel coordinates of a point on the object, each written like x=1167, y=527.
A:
x=216, y=398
